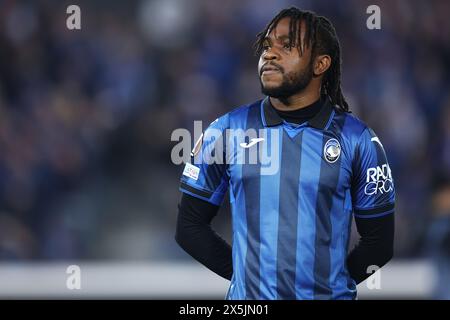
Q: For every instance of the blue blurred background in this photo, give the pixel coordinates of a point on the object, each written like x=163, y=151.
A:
x=86, y=116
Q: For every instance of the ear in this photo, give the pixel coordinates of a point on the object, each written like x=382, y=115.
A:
x=321, y=64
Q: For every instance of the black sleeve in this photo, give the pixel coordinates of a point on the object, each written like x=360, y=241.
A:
x=195, y=235
x=375, y=247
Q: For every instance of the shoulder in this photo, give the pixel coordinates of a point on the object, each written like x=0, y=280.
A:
x=354, y=130
x=361, y=138
x=351, y=126
x=353, y=133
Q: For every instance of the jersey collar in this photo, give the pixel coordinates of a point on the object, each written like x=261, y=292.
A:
x=271, y=118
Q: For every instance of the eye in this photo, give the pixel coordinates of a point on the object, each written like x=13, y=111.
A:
x=287, y=46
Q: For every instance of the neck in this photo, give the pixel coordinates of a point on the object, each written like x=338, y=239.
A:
x=296, y=101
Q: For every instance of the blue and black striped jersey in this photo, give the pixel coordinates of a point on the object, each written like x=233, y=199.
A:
x=293, y=190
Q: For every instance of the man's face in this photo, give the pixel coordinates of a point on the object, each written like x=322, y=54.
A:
x=282, y=69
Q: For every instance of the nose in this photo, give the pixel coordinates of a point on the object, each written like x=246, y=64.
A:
x=270, y=54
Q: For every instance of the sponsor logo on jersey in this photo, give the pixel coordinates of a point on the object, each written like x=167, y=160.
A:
x=379, y=180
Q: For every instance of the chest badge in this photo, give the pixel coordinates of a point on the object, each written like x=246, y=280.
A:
x=332, y=150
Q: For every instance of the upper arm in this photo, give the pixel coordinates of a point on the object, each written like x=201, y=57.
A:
x=373, y=190
x=205, y=177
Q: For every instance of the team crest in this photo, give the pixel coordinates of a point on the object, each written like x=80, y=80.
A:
x=332, y=150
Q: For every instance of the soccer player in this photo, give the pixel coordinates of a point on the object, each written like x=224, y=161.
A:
x=291, y=225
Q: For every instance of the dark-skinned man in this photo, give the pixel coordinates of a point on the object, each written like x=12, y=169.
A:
x=291, y=224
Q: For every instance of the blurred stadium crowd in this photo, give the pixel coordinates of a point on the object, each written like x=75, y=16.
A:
x=86, y=116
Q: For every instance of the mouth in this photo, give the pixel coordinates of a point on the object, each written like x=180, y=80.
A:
x=269, y=69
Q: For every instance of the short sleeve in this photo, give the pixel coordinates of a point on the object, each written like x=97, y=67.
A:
x=205, y=176
x=373, y=192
